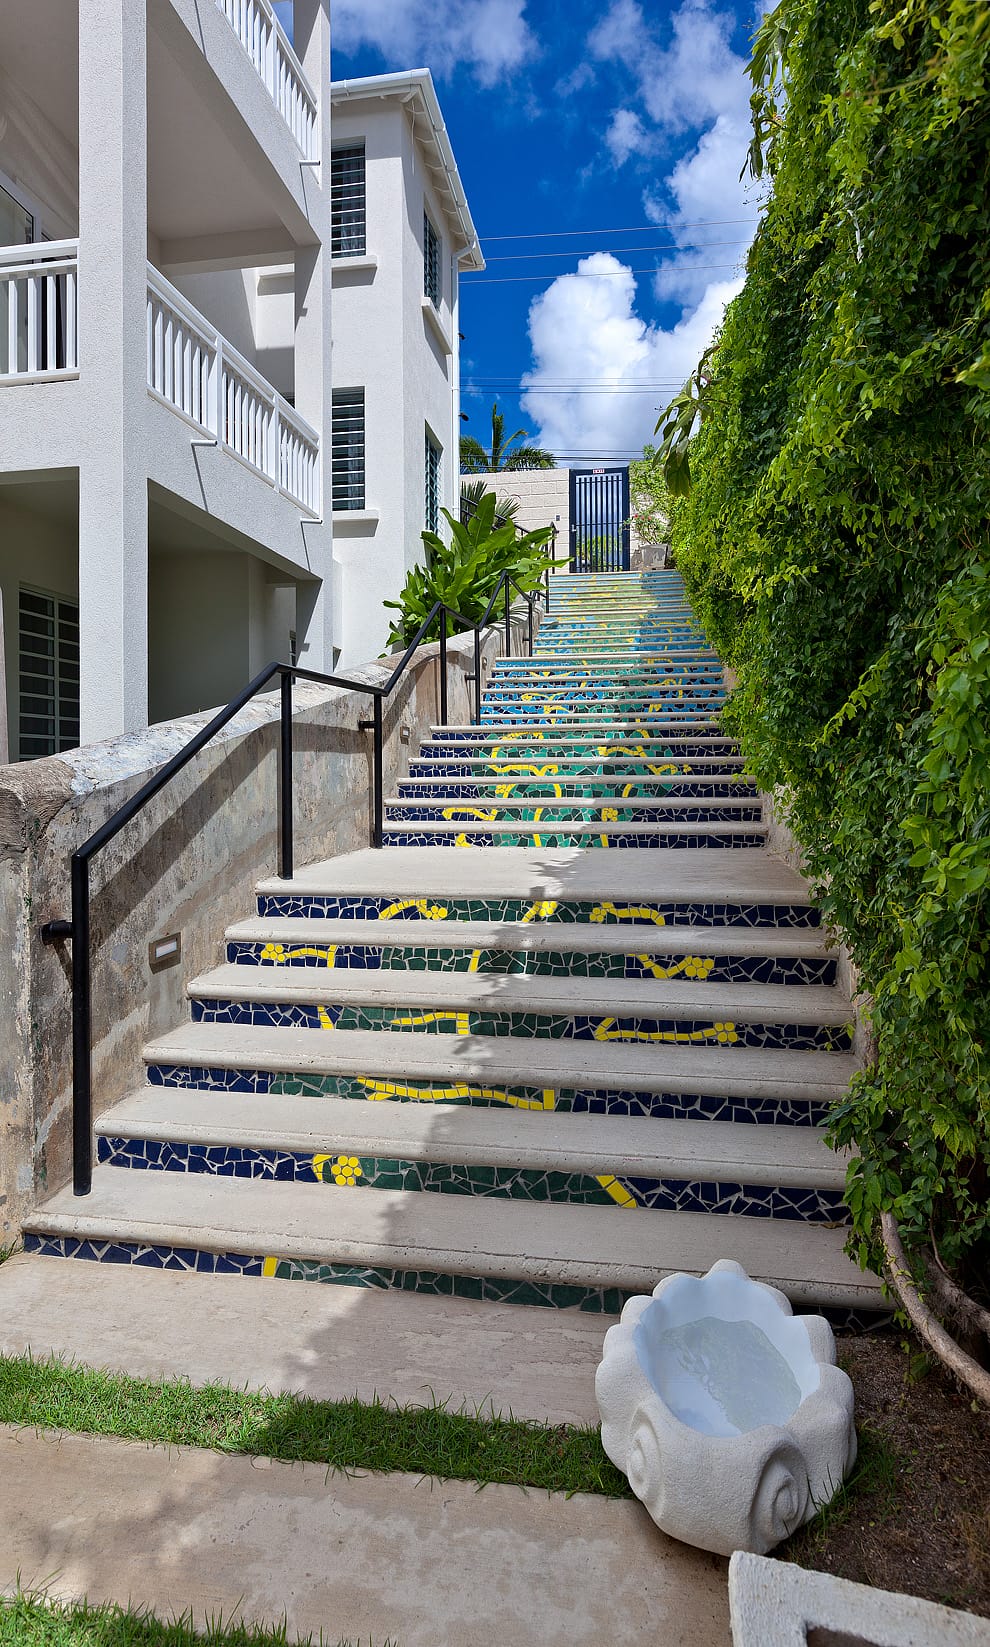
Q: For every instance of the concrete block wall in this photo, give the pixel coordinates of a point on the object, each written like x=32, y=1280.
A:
x=544, y=500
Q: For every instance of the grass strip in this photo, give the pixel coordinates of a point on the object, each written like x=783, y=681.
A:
x=28, y=1620
x=346, y=1435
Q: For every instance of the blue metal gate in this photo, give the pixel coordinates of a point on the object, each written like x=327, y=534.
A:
x=599, y=520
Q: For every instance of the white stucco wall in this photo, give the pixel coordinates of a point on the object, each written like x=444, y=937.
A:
x=385, y=341
x=97, y=180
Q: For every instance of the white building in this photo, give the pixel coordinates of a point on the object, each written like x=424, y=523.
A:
x=162, y=530
x=402, y=234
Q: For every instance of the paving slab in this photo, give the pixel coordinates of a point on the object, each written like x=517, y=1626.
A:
x=387, y=1557
x=330, y=1343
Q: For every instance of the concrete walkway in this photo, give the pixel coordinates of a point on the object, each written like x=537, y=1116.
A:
x=325, y=1342
x=393, y=1557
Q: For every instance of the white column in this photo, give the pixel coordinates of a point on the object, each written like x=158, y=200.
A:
x=113, y=485
x=313, y=293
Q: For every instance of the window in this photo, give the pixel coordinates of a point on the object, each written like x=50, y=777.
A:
x=347, y=456
x=433, y=455
x=48, y=674
x=432, y=284
x=347, y=202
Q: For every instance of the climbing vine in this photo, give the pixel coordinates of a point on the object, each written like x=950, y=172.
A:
x=835, y=538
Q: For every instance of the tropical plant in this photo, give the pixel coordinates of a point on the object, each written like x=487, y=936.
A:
x=465, y=572
x=476, y=461
x=835, y=541
x=472, y=492
x=649, y=496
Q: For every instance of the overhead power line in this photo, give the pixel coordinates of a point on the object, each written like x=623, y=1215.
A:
x=614, y=251
x=587, y=274
x=633, y=228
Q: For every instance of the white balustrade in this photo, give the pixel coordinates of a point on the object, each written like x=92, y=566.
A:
x=39, y=311
x=199, y=374
x=267, y=44
x=298, y=458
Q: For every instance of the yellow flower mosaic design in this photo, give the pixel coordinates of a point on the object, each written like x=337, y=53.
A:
x=344, y=1169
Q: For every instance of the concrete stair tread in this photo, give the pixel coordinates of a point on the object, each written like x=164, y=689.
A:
x=536, y=937
x=550, y=730
x=601, y=798
x=507, y=1060
x=518, y=1240
x=708, y=1151
x=681, y=875
x=512, y=992
x=474, y=826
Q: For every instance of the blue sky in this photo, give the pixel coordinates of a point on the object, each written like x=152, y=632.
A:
x=611, y=134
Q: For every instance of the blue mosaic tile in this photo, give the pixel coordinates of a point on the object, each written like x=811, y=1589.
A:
x=581, y=1101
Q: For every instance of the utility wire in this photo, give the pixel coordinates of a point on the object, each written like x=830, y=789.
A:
x=633, y=228
x=614, y=251
x=590, y=274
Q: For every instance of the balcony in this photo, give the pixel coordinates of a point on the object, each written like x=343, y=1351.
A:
x=191, y=366
x=266, y=43
x=196, y=372
x=38, y=312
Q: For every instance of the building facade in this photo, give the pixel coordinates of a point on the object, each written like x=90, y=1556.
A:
x=402, y=235
x=162, y=458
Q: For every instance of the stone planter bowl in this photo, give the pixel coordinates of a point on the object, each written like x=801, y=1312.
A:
x=725, y=1410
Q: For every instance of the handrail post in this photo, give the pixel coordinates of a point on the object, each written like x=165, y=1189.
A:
x=530, y=605
x=443, y=666
x=378, y=750
x=82, y=1066
x=477, y=674
x=286, y=831
x=508, y=619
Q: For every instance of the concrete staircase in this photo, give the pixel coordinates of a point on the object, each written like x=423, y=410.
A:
x=546, y=1069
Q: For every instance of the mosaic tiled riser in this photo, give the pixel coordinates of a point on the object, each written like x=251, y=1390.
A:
x=552, y=811
x=673, y=1105
x=370, y=908
x=532, y=1025
x=563, y=963
x=591, y=1300
x=482, y=788
x=501, y=1183
x=608, y=835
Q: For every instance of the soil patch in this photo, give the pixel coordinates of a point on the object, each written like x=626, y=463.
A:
x=915, y=1515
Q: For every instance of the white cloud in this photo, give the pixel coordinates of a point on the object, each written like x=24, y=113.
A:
x=587, y=332
x=682, y=82
x=682, y=78
x=627, y=135
x=491, y=37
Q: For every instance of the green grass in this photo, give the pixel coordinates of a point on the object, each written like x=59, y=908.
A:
x=9, y=1251
x=34, y=1621
x=873, y=1476
x=345, y=1435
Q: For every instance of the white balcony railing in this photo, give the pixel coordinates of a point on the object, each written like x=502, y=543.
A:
x=38, y=311
x=193, y=369
x=266, y=43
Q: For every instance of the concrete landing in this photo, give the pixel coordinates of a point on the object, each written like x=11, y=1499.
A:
x=389, y=1557
x=329, y=1343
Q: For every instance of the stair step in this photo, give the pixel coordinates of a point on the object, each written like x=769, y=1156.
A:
x=526, y=1252
x=503, y=1061
x=538, y=937
x=544, y=874
x=632, y=835
x=448, y=805
x=596, y=1146
x=465, y=992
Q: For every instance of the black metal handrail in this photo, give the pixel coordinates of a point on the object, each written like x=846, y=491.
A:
x=77, y=928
